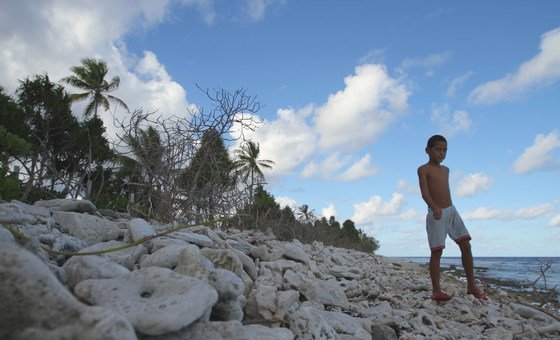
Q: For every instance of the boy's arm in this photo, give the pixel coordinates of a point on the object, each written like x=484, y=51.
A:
x=424, y=189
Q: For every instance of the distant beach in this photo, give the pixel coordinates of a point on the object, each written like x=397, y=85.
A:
x=517, y=271
x=514, y=274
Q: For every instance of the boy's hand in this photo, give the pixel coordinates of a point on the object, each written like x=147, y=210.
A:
x=437, y=213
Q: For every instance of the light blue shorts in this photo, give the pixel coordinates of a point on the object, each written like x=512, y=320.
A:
x=449, y=223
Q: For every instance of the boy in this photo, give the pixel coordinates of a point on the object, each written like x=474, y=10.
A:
x=443, y=218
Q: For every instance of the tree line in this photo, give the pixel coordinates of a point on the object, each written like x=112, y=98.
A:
x=164, y=169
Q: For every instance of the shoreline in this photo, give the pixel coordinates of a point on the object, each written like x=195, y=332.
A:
x=508, y=291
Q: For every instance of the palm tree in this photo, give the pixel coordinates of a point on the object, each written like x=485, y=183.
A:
x=304, y=214
x=90, y=77
x=249, y=165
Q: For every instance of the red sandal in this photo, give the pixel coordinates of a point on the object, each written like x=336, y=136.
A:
x=441, y=296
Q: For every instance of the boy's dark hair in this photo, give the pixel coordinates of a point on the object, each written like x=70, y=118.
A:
x=435, y=138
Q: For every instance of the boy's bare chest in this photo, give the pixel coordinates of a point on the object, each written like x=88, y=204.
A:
x=436, y=175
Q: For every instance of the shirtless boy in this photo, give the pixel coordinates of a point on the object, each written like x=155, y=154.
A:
x=443, y=219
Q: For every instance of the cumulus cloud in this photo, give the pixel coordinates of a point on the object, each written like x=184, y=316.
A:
x=450, y=123
x=349, y=120
x=484, y=213
x=287, y=140
x=554, y=221
x=542, y=69
x=361, y=169
x=154, y=85
x=284, y=201
x=329, y=211
x=358, y=114
x=326, y=168
x=540, y=155
x=472, y=184
x=330, y=168
x=63, y=33
x=375, y=208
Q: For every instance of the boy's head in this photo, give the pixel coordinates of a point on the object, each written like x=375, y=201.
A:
x=434, y=139
x=437, y=148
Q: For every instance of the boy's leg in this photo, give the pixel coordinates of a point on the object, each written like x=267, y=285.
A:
x=435, y=259
x=437, y=293
x=468, y=266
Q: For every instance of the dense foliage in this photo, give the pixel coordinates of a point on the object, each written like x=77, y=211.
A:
x=264, y=213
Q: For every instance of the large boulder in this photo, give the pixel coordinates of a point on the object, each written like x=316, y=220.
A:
x=81, y=268
x=89, y=228
x=154, y=300
x=35, y=305
x=68, y=204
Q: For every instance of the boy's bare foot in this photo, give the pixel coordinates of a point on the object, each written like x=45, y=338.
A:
x=441, y=296
x=477, y=293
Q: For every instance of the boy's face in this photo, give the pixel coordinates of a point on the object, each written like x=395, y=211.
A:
x=437, y=152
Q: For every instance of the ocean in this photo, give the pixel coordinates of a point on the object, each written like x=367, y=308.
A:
x=514, y=272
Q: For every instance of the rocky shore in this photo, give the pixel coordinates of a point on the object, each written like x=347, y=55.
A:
x=134, y=279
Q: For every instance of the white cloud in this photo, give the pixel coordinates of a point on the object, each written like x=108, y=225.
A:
x=375, y=209
x=326, y=168
x=535, y=211
x=554, y=221
x=154, y=85
x=472, y=184
x=450, y=124
x=64, y=32
x=539, y=156
x=350, y=119
x=484, y=213
x=288, y=140
x=357, y=115
x=330, y=168
x=542, y=69
x=362, y=168
x=329, y=211
x=286, y=202
x=456, y=83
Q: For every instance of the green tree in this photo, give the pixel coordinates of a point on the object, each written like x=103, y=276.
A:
x=10, y=146
x=93, y=143
x=208, y=179
x=349, y=230
x=333, y=223
x=305, y=214
x=143, y=172
x=250, y=166
x=90, y=77
x=11, y=116
x=51, y=129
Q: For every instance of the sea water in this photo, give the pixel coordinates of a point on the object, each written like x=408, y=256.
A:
x=520, y=271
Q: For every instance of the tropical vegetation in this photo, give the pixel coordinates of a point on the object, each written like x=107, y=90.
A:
x=176, y=169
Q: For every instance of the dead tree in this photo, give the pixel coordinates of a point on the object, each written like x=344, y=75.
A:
x=164, y=147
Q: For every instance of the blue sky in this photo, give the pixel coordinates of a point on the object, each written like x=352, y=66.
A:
x=352, y=90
